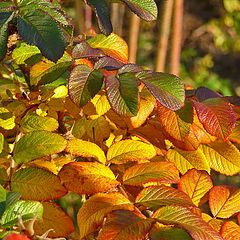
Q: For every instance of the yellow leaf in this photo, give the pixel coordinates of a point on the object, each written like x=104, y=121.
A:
x=45, y=164
x=101, y=103
x=195, y=184
x=54, y=218
x=185, y=160
x=87, y=177
x=130, y=150
x=223, y=157
x=7, y=120
x=82, y=148
x=93, y=211
x=60, y=92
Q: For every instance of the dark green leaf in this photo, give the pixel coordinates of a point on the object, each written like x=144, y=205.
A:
x=123, y=94
x=102, y=12
x=38, y=28
x=5, y=18
x=84, y=84
x=168, y=89
x=146, y=9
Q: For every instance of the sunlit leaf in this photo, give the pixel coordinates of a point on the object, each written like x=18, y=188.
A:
x=87, y=177
x=230, y=231
x=33, y=122
x=37, y=28
x=122, y=93
x=38, y=144
x=176, y=123
x=25, y=53
x=184, y=218
x=157, y=196
x=53, y=218
x=7, y=119
x=195, y=184
x=1, y=142
x=146, y=10
x=217, y=116
x=111, y=45
x=124, y=224
x=82, y=148
x=166, y=88
x=26, y=209
x=94, y=210
x=37, y=184
x=223, y=157
x=130, y=150
x=224, y=201
x=101, y=104
x=185, y=160
x=161, y=172
x=84, y=84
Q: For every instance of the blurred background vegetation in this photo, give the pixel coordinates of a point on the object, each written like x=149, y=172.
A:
x=197, y=40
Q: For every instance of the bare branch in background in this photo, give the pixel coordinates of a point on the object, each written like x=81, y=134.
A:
x=165, y=26
x=79, y=5
x=176, y=37
x=133, y=37
x=117, y=17
x=88, y=17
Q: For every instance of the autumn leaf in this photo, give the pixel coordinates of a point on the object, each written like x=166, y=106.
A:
x=195, y=184
x=125, y=224
x=95, y=209
x=87, y=177
x=230, y=231
x=159, y=172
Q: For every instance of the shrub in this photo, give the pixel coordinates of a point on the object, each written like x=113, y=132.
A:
x=137, y=148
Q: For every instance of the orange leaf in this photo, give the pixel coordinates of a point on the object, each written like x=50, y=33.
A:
x=224, y=201
x=124, y=224
x=160, y=172
x=230, y=231
x=54, y=218
x=94, y=210
x=155, y=197
x=195, y=184
x=87, y=177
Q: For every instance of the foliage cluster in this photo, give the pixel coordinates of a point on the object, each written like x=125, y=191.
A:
x=134, y=144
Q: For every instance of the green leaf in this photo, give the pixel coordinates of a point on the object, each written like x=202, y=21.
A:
x=25, y=53
x=3, y=196
x=38, y=28
x=33, y=122
x=123, y=94
x=5, y=18
x=84, y=84
x=37, y=184
x=168, y=89
x=37, y=144
x=146, y=9
x=103, y=16
x=7, y=120
x=24, y=209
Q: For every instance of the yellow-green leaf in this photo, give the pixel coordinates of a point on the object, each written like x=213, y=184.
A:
x=161, y=172
x=184, y=218
x=223, y=157
x=33, y=122
x=111, y=45
x=37, y=144
x=130, y=150
x=224, y=201
x=185, y=160
x=94, y=210
x=7, y=120
x=125, y=224
x=37, y=184
x=82, y=148
x=196, y=185
x=87, y=177
x=53, y=218
x=157, y=196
